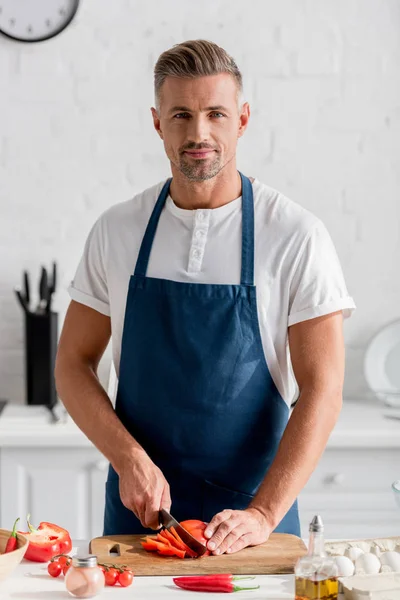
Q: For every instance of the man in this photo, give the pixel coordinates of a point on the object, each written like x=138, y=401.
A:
x=233, y=286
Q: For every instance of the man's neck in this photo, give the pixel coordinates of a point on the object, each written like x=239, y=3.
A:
x=211, y=193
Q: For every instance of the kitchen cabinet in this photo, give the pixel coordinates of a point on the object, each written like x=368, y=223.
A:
x=62, y=485
x=351, y=490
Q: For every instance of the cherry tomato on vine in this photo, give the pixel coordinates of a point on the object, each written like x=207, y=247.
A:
x=111, y=576
x=125, y=578
x=65, y=568
x=54, y=568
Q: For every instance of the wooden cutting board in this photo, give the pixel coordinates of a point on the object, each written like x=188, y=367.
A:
x=278, y=555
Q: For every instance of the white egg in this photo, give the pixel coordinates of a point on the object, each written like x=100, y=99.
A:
x=376, y=550
x=345, y=566
x=391, y=560
x=353, y=553
x=368, y=563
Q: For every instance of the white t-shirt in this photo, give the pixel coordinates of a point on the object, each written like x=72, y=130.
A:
x=296, y=268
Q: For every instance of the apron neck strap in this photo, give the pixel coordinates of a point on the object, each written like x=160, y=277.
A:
x=247, y=274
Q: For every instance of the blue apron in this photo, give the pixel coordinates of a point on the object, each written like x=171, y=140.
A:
x=195, y=390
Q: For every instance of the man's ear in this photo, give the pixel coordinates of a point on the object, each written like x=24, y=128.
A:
x=156, y=122
x=244, y=119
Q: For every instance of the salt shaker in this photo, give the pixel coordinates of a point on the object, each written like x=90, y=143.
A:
x=84, y=579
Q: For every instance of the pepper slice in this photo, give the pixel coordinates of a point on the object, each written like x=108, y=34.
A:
x=46, y=541
x=188, y=550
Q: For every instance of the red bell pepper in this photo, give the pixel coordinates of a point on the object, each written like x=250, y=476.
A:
x=12, y=540
x=46, y=541
x=212, y=583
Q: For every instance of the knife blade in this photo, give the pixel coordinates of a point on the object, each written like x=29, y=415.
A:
x=168, y=521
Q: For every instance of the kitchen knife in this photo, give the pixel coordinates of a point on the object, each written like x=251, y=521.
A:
x=43, y=291
x=168, y=521
x=27, y=287
x=21, y=299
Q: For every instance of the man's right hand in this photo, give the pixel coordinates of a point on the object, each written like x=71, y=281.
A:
x=143, y=489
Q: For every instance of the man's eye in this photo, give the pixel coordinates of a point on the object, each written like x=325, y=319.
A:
x=180, y=115
x=217, y=113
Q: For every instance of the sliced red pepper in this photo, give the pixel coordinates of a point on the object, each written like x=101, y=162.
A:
x=46, y=541
x=149, y=546
x=196, y=529
x=12, y=540
x=171, y=551
x=188, y=550
x=154, y=545
x=162, y=539
x=173, y=540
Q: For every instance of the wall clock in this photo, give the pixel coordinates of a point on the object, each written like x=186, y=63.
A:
x=35, y=20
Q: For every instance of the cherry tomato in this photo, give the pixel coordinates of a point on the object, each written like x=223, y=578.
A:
x=65, y=568
x=125, y=578
x=111, y=576
x=54, y=568
x=63, y=560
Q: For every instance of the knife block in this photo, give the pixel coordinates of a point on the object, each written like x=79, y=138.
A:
x=41, y=337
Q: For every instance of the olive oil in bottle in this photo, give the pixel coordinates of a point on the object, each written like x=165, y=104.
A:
x=316, y=574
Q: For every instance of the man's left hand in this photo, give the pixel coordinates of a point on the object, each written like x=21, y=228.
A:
x=232, y=530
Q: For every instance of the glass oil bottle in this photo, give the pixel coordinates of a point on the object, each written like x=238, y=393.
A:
x=316, y=574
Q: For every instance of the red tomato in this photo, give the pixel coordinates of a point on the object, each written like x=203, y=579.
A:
x=111, y=576
x=63, y=560
x=65, y=568
x=54, y=568
x=125, y=578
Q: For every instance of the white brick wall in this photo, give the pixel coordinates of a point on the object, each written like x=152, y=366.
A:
x=76, y=136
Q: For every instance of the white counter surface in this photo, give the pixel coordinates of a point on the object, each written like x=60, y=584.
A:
x=361, y=424
x=30, y=581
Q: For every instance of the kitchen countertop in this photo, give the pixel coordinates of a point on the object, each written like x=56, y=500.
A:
x=30, y=581
x=361, y=424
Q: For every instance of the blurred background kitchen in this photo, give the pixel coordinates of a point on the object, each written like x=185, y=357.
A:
x=76, y=136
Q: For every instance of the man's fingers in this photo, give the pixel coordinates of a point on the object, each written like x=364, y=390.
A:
x=241, y=543
x=151, y=517
x=230, y=538
x=166, y=498
x=216, y=522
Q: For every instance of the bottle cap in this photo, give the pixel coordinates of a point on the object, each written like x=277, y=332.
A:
x=316, y=525
x=84, y=561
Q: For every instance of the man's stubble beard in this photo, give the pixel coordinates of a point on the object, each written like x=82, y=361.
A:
x=202, y=170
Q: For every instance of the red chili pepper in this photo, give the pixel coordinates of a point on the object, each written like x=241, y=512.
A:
x=46, y=541
x=212, y=583
x=12, y=540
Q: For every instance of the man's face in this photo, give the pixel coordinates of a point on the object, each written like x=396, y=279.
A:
x=200, y=123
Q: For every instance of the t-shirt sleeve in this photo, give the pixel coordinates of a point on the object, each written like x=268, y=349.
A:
x=89, y=285
x=318, y=287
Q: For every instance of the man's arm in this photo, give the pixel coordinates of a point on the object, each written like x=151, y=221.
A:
x=84, y=338
x=317, y=354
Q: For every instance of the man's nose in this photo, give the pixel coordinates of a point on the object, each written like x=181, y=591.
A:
x=199, y=129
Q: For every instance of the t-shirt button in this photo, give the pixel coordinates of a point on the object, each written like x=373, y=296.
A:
x=196, y=254
x=200, y=215
x=199, y=233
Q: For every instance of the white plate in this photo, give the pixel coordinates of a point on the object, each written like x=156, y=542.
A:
x=382, y=364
